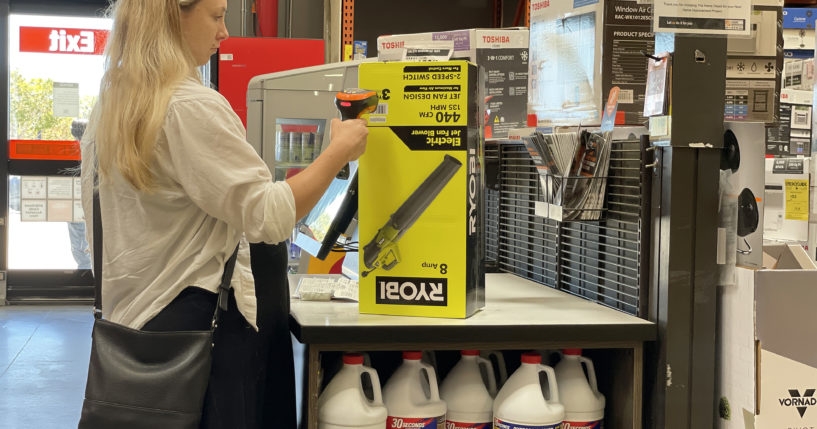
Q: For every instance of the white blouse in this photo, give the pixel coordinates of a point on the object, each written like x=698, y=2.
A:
x=213, y=190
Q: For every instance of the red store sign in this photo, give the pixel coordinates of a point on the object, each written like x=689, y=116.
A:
x=62, y=40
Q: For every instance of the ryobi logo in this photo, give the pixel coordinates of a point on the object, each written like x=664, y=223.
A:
x=472, y=192
x=799, y=402
x=412, y=291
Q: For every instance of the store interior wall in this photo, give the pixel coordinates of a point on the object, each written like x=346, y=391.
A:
x=239, y=18
x=59, y=7
x=374, y=18
x=303, y=19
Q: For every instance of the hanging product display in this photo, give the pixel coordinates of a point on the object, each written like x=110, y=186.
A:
x=748, y=215
x=741, y=160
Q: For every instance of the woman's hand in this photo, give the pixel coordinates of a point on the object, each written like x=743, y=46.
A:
x=348, y=142
x=348, y=138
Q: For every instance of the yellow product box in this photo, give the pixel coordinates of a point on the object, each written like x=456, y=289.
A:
x=420, y=191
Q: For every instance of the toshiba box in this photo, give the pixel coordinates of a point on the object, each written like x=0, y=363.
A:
x=420, y=191
x=570, y=78
x=503, y=53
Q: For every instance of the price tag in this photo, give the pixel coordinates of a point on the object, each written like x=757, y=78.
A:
x=797, y=199
x=731, y=17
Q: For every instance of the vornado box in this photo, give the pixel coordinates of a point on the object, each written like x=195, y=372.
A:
x=767, y=375
x=420, y=191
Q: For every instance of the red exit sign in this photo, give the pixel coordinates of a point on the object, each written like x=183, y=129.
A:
x=62, y=40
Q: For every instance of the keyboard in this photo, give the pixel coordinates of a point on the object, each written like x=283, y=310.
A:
x=326, y=288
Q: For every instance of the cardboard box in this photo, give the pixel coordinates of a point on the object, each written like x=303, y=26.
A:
x=768, y=359
x=754, y=68
x=798, y=73
x=798, y=28
x=503, y=53
x=792, y=136
x=420, y=201
x=581, y=49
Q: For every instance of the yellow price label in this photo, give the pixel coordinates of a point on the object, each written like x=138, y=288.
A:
x=348, y=52
x=797, y=199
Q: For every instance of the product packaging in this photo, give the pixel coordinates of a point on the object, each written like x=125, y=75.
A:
x=420, y=191
x=579, y=50
x=503, y=53
x=754, y=67
x=767, y=369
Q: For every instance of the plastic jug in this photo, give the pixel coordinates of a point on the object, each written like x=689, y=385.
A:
x=344, y=405
x=522, y=403
x=412, y=397
x=470, y=402
x=498, y=363
x=430, y=358
x=584, y=405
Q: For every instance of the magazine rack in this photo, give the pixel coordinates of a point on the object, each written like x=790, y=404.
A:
x=604, y=260
x=561, y=204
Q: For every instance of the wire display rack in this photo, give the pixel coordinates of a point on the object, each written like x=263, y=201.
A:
x=602, y=260
x=491, y=206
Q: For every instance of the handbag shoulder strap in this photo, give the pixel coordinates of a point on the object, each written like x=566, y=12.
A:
x=97, y=231
x=223, y=288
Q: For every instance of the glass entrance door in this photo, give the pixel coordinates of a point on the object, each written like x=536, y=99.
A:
x=55, y=66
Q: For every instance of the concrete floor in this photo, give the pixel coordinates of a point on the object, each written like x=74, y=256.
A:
x=44, y=354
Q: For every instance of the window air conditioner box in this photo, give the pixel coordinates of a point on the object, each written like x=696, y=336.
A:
x=579, y=50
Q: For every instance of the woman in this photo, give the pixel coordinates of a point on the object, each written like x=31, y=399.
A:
x=180, y=187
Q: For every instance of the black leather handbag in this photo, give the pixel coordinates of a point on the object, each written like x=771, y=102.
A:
x=141, y=379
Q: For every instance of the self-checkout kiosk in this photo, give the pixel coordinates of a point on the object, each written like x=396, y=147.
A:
x=288, y=116
x=289, y=112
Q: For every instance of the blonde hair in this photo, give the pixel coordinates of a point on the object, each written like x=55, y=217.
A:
x=145, y=57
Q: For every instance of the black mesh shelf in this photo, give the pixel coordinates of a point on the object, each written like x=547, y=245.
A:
x=599, y=260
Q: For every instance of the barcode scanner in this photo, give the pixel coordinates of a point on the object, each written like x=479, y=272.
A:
x=352, y=104
x=355, y=102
